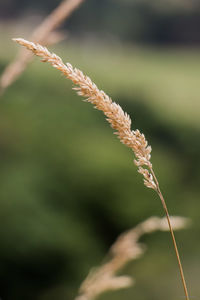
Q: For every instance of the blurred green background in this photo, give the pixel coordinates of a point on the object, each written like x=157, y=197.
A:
x=68, y=187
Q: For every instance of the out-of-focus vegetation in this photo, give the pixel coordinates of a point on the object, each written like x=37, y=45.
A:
x=143, y=21
x=68, y=187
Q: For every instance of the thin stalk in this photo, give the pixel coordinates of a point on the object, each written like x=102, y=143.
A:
x=118, y=119
x=172, y=234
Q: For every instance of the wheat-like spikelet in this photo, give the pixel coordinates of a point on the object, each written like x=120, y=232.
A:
x=44, y=34
x=118, y=119
x=125, y=249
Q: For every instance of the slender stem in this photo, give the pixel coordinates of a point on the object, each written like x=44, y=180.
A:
x=172, y=234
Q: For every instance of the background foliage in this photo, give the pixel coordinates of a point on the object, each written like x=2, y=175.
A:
x=68, y=188
x=158, y=21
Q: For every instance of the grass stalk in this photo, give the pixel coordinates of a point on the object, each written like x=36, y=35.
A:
x=44, y=34
x=172, y=234
x=125, y=249
x=119, y=121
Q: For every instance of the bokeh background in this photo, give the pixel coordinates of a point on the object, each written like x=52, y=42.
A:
x=68, y=187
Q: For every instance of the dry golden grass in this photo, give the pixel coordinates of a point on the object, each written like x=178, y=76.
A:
x=119, y=121
x=125, y=249
x=45, y=34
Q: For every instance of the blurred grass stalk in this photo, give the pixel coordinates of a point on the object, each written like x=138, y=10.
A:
x=44, y=34
x=119, y=121
x=125, y=249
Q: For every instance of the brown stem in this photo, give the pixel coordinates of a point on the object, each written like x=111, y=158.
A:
x=172, y=234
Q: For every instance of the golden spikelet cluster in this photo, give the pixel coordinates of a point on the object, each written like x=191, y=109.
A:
x=118, y=119
x=125, y=249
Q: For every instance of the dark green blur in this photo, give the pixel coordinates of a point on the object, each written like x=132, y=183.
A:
x=68, y=187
